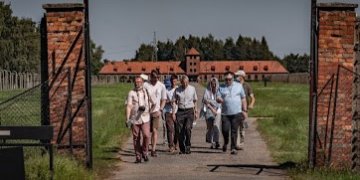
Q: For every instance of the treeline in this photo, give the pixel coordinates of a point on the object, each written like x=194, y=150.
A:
x=244, y=48
x=20, y=44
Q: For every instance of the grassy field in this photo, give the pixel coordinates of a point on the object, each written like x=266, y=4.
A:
x=109, y=129
x=108, y=132
x=282, y=110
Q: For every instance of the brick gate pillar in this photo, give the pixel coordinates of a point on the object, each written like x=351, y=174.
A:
x=356, y=103
x=335, y=47
x=66, y=69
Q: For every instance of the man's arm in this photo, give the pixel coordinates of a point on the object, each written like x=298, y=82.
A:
x=163, y=97
x=244, y=107
x=174, y=103
x=252, y=101
x=195, y=105
x=128, y=109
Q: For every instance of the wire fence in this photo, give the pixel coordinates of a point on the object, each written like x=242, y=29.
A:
x=14, y=80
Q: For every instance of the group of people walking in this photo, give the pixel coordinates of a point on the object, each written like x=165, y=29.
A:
x=224, y=107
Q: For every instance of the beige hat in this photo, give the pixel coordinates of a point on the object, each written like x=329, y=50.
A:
x=240, y=73
x=144, y=77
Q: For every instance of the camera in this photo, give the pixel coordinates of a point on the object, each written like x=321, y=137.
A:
x=141, y=108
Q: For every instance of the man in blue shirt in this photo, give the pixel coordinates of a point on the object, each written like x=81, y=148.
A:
x=232, y=97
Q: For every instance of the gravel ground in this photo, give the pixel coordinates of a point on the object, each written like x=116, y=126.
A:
x=254, y=162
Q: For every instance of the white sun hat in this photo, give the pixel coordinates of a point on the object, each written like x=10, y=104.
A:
x=144, y=77
x=240, y=73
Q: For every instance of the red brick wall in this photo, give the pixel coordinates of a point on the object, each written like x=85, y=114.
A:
x=335, y=46
x=64, y=23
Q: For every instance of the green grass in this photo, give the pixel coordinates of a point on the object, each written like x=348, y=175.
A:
x=282, y=110
x=109, y=129
x=109, y=132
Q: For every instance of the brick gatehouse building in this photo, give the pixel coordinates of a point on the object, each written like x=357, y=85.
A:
x=194, y=67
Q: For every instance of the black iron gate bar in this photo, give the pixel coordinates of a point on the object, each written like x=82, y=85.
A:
x=334, y=101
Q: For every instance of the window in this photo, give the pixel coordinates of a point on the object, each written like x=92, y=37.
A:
x=249, y=77
x=194, y=70
x=143, y=69
x=241, y=67
x=115, y=69
x=190, y=63
x=255, y=68
x=171, y=69
x=213, y=68
x=227, y=68
x=256, y=77
x=190, y=70
x=129, y=69
x=194, y=63
x=266, y=68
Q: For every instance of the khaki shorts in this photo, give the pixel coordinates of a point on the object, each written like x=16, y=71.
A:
x=154, y=123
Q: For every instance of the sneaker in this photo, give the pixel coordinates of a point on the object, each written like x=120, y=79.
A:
x=172, y=150
x=153, y=154
x=239, y=148
x=233, y=152
x=138, y=160
x=181, y=152
x=217, y=145
x=146, y=158
x=224, y=148
x=188, y=151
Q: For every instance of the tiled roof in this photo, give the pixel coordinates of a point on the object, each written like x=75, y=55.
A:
x=137, y=67
x=206, y=67
x=250, y=67
x=192, y=52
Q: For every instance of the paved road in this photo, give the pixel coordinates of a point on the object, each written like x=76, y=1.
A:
x=254, y=162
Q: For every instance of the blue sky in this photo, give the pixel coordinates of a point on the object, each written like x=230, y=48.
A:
x=120, y=26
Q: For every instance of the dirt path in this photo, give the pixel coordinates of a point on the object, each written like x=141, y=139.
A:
x=254, y=162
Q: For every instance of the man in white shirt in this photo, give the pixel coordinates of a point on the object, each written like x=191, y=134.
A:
x=185, y=98
x=138, y=107
x=157, y=92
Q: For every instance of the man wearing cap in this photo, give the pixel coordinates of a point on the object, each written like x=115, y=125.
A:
x=138, y=106
x=250, y=99
x=157, y=92
x=231, y=96
x=185, y=98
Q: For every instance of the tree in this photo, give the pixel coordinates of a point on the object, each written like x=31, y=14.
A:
x=240, y=49
x=19, y=42
x=296, y=63
x=180, y=48
x=96, y=58
x=144, y=53
x=165, y=50
x=229, y=48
